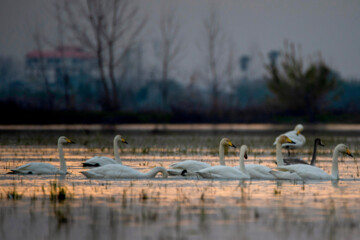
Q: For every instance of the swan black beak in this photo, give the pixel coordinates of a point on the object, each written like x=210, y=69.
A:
x=245, y=156
x=321, y=144
x=126, y=142
x=232, y=145
x=349, y=153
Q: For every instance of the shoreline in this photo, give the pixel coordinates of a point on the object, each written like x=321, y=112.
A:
x=180, y=127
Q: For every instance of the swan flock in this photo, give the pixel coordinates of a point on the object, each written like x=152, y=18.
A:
x=289, y=168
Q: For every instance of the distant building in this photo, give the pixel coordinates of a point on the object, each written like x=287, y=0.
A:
x=69, y=61
x=70, y=72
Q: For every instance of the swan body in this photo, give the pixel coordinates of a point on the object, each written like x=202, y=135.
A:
x=227, y=172
x=121, y=171
x=290, y=161
x=285, y=175
x=38, y=168
x=98, y=161
x=192, y=166
x=187, y=168
x=314, y=173
x=257, y=171
x=224, y=172
x=101, y=160
x=296, y=136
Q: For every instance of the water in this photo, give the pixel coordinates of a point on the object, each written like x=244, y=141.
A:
x=73, y=207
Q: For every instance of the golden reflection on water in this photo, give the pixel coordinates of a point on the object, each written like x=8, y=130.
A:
x=175, y=207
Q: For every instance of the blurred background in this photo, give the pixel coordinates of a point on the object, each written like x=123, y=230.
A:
x=165, y=61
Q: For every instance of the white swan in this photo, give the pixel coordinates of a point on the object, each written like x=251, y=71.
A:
x=226, y=172
x=290, y=161
x=257, y=171
x=121, y=171
x=312, y=172
x=45, y=168
x=294, y=135
x=191, y=166
x=101, y=160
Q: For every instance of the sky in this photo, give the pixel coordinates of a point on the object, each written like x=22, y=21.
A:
x=255, y=27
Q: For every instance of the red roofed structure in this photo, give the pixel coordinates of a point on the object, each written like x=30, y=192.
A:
x=71, y=61
x=61, y=52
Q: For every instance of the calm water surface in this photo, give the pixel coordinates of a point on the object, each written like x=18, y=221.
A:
x=73, y=207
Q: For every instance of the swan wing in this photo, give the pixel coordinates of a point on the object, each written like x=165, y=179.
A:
x=190, y=165
x=258, y=171
x=291, y=161
x=99, y=161
x=225, y=172
x=307, y=171
x=113, y=171
x=286, y=175
x=36, y=168
x=299, y=140
x=288, y=134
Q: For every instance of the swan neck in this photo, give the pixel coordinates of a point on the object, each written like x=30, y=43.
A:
x=314, y=155
x=152, y=173
x=241, y=162
x=62, y=159
x=279, y=156
x=116, y=151
x=335, y=167
x=221, y=155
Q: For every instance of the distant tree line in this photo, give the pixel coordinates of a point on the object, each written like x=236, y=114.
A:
x=126, y=90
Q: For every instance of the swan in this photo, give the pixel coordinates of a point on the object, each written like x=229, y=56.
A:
x=226, y=172
x=101, y=160
x=312, y=172
x=121, y=171
x=191, y=166
x=45, y=168
x=290, y=161
x=257, y=171
x=295, y=136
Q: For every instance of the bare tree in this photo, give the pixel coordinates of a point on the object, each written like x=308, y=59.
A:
x=41, y=66
x=214, y=50
x=169, y=49
x=109, y=28
x=230, y=75
x=85, y=19
x=122, y=33
x=59, y=16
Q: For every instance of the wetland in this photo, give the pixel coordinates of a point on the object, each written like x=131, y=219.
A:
x=74, y=207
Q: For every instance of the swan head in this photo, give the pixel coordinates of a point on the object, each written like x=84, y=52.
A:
x=342, y=148
x=284, y=139
x=319, y=142
x=299, y=128
x=184, y=172
x=244, y=151
x=64, y=140
x=118, y=138
x=227, y=143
